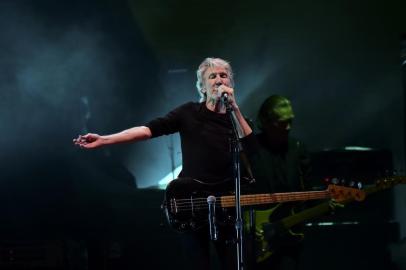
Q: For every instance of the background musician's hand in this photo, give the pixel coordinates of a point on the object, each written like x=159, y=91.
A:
x=334, y=205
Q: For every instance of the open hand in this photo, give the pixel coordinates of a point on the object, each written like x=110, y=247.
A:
x=89, y=140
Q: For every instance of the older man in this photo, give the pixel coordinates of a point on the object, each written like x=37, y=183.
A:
x=205, y=131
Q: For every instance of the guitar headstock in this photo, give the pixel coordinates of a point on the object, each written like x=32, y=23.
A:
x=342, y=190
x=390, y=181
x=342, y=193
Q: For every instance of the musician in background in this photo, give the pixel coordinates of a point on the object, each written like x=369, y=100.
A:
x=280, y=163
x=205, y=130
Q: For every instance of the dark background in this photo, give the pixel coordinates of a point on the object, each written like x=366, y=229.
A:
x=71, y=67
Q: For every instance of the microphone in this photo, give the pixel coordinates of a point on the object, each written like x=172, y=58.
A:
x=224, y=97
x=211, y=200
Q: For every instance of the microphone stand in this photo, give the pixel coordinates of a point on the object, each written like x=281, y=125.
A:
x=235, y=149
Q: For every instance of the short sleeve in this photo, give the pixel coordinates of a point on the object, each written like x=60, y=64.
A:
x=168, y=124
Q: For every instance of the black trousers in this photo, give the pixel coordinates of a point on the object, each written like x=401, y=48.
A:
x=199, y=252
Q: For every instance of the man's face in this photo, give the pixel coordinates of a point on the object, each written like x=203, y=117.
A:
x=283, y=125
x=213, y=78
x=284, y=118
x=279, y=128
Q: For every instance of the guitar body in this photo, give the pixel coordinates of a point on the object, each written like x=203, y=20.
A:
x=186, y=206
x=187, y=209
x=269, y=235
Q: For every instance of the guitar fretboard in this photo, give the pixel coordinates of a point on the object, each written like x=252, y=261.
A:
x=257, y=199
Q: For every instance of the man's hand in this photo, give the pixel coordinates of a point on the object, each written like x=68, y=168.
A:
x=88, y=141
x=334, y=205
x=230, y=92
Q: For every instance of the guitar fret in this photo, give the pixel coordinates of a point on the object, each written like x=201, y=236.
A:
x=254, y=199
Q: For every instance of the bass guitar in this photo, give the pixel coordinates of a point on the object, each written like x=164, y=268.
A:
x=186, y=206
x=268, y=233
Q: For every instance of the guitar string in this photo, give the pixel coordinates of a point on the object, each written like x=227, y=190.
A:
x=275, y=196
x=185, y=204
x=267, y=196
x=201, y=203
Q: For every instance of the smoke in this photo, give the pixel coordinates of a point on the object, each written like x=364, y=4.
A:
x=47, y=72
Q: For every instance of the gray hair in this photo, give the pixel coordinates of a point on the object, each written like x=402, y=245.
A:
x=207, y=63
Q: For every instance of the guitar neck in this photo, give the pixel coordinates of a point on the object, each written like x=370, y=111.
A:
x=259, y=199
x=324, y=208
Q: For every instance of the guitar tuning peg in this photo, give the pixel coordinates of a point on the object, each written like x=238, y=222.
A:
x=335, y=181
x=359, y=185
x=380, y=183
x=388, y=173
x=351, y=184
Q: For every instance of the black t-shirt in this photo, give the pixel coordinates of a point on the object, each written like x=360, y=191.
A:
x=281, y=168
x=204, y=136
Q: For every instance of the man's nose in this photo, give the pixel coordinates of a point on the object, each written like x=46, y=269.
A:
x=218, y=82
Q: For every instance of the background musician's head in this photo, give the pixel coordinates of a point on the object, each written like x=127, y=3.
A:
x=275, y=119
